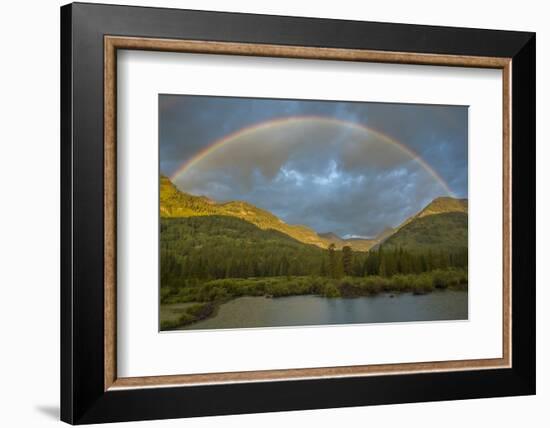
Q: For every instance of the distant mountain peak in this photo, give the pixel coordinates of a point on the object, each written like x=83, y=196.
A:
x=330, y=236
x=356, y=243
x=444, y=204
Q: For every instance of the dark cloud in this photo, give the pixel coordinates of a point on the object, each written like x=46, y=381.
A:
x=328, y=175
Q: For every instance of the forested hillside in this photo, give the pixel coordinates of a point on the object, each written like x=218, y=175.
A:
x=194, y=249
x=445, y=231
x=228, y=247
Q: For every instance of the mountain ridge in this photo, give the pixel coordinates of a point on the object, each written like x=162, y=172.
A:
x=440, y=205
x=412, y=232
x=175, y=203
x=442, y=224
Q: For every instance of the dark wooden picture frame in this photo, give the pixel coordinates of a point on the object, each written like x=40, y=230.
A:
x=90, y=37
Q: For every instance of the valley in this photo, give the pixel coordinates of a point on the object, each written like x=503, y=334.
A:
x=214, y=252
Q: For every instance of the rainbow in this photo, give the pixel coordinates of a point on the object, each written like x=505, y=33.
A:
x=262, y=126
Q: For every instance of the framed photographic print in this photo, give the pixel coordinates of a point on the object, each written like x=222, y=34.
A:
x=265, y=213
x=227, y=263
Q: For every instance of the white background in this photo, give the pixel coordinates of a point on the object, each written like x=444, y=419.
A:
x=142, y=351
x=29, y=218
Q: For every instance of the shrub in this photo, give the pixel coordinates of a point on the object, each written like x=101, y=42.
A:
x=440, y=280
x=423, y=284
x=200, y=310
x=330, y=290
x=221, y=290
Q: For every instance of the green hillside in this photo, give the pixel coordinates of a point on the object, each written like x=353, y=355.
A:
x=216, y=246
x=174, y=203
x=197, y=251
x=445, y=231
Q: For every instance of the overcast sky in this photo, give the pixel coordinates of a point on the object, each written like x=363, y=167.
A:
x=331, y=175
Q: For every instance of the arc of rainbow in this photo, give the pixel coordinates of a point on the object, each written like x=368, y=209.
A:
x=262, y=126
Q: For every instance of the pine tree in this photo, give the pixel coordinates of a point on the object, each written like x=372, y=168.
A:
x=284, y=266
x=323, y=268
x=391, y=264
x=332, y=260
x=347, y=260
x=382, y=268
x=372, y=263
x=358, y=267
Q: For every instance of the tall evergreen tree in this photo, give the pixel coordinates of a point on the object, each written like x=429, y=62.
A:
x=284, y=266
x=323, y=268
x=347, y=260
x=371, y=263
x=332, y=268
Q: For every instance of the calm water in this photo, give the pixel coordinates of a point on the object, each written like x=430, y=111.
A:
x=314, y=310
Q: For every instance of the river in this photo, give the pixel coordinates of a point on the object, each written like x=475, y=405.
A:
x=247, y=312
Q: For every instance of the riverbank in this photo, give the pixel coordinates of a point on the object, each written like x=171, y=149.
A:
x=204, y=298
